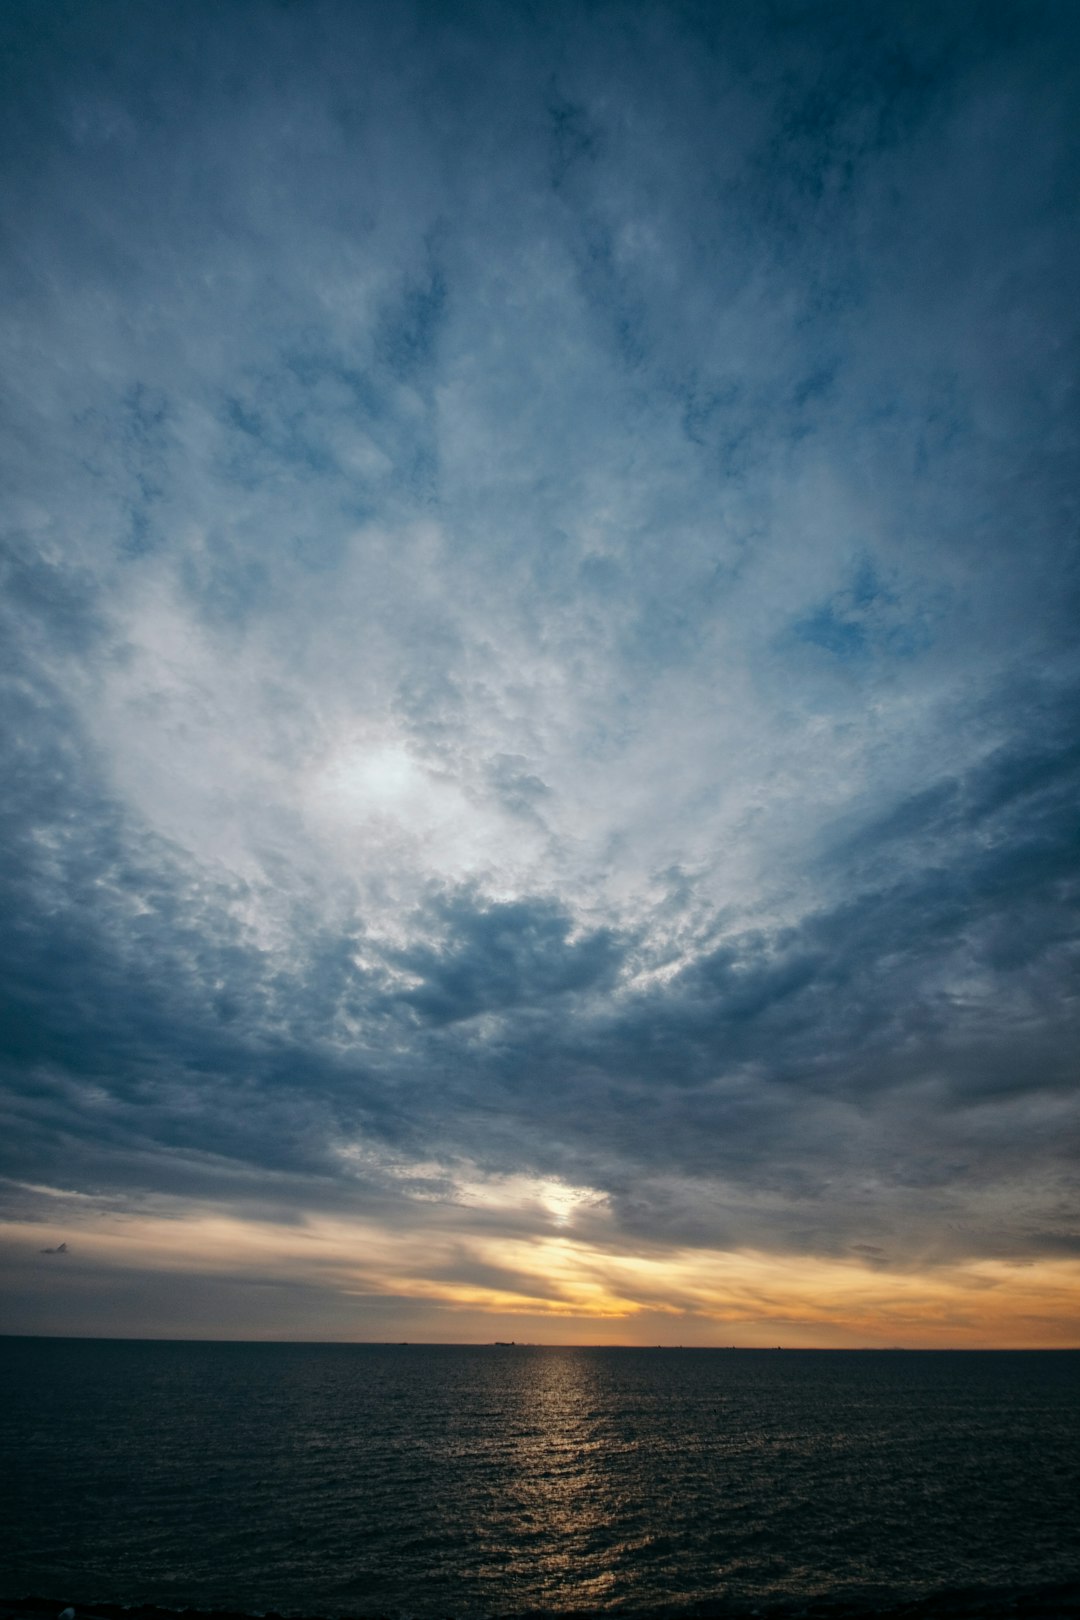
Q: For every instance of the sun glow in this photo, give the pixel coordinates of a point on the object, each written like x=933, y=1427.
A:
x=555, y=1199
x=409, y=809
x=383, y=778
x=566, y=1288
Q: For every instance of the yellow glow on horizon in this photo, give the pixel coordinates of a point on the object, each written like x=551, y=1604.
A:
x=572, y=1291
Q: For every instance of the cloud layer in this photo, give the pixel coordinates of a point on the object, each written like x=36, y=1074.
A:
x=540, y=664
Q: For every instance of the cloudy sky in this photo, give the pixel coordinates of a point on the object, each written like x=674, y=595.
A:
x=540, y=763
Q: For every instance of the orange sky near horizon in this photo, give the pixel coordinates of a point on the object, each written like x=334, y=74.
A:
x=327, y=1276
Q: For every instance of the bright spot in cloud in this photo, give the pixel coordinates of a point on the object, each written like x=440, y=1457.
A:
x=411, y=815
x=558, y=1199
x=382, y=780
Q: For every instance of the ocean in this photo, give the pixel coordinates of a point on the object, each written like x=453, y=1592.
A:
x=473, y=1481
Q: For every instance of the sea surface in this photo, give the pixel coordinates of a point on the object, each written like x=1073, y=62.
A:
x=471, y=1481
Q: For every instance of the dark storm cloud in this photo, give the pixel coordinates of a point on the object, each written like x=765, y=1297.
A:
x=494, y=957
x=540, y=587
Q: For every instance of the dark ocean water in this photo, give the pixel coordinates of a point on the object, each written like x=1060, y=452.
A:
x=330, y=1479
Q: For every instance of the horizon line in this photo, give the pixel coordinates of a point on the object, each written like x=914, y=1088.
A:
x=540, y=1344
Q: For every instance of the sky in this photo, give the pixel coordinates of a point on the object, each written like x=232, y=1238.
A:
x=540, y=765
